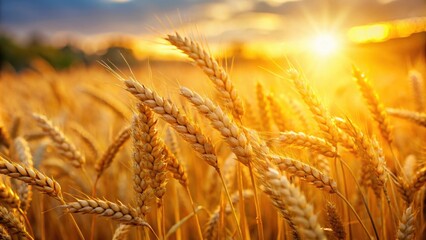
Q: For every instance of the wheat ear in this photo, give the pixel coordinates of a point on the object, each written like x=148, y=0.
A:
x=213, y=70
x=263, y=107
x=62, y=144
x=12, y=225
x=174, y=166
x=105, y=161
x=116, y=211
x=9, y=197
x=335, y=221
x=141, y=179
x=321, y=115
x=121, y=232
x=419, y=180
x=178, y=121
x=23, y=153
x=278, y=114
x=417, y=85
x=305, y=172
x=4, y=136
x=211, y=227
x=87, y=138
x=418, y=118
x=368, y=150
x=300, y=139
x=295, y=205
x=375, y=106
x=4, y=235
x=407, y=225
x=111, y=103
x=232, y=133
x=32, y=177
x=151, y=151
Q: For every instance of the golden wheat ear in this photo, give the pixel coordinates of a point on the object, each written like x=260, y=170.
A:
x=12, y=224
x=376, y=108
x=170, y=113
x=64, y=146
x=213, y=70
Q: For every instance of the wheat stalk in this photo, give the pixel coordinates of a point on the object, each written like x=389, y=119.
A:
x=213, y=70
x=62, y=144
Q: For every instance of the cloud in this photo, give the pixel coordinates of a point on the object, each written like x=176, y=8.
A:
x=222, y=18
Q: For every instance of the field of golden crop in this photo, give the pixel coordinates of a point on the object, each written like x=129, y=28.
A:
x=160, y=152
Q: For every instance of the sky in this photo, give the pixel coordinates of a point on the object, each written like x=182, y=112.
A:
x=223, y=20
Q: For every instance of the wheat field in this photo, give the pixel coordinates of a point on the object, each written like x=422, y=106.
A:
x=106, y=153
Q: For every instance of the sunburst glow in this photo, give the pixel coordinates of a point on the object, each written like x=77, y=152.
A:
x=325, y=44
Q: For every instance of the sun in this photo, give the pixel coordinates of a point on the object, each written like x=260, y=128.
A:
x=325, y=44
